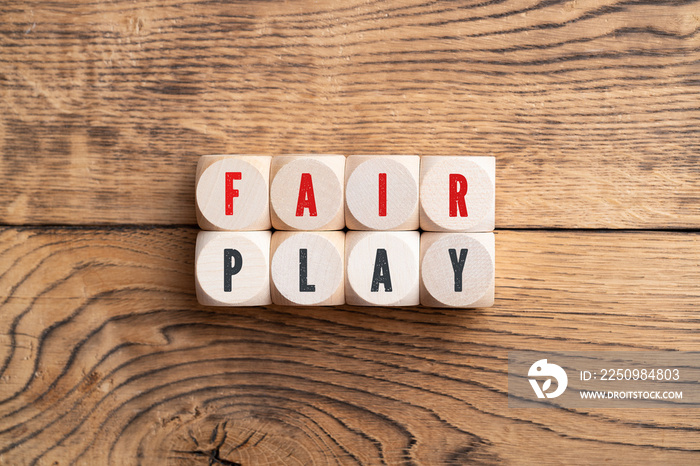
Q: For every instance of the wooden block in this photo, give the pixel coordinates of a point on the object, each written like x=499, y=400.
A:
x=232, y=268
x=457, y=193
x=457, y=269
x=306, y=192
x=381, y=192
x=232, y=192
x=382, y=268
x=308, y=268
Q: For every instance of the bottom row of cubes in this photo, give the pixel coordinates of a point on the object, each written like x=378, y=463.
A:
x=329, y=268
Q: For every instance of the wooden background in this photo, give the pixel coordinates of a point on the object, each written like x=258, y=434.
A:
x=592, y=109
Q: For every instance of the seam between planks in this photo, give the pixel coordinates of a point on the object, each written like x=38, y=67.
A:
x=175, y=226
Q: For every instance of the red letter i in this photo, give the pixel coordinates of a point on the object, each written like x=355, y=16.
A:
x=382, y=194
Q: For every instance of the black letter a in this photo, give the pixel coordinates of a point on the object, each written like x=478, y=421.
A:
x=381, y=272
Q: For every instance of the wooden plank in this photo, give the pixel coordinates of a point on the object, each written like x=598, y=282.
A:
x=591, y=107
x=107, y=356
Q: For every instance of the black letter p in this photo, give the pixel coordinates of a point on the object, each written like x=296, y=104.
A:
x=231, y=269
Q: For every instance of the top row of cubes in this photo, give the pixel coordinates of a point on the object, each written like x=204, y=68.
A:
x=328, y=192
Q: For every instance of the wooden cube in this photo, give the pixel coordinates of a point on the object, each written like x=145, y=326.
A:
x=232, y=192
x=382, y=268
x=308, y=268
x=233, y=268
x=457, y=269
x=457, y=193
x=381, y=192
x=306, y=192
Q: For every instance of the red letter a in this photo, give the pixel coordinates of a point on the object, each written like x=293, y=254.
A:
x=458, y=190
x=306, y=196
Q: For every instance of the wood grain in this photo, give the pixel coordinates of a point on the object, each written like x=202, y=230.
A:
x=591, y=107
x=108, y=359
